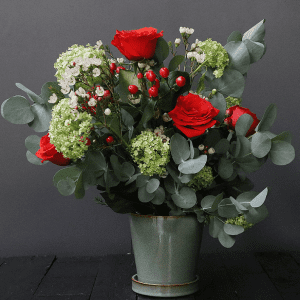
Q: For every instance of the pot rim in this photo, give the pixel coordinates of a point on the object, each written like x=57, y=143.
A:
x=164, y=217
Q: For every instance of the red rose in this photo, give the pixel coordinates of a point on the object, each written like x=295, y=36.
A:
x=193, y=115
x=137, y=44
x=47, y=151
x=235, y=112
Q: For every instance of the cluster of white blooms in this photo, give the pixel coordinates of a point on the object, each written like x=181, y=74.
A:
x=133, y=99
x=98, y=44
x=177, y=41
x=99, y=91
x=199, y=57
x=186, y=30
x=159, y=131
x=53, y=98
x=146, y=65
x=120, y=60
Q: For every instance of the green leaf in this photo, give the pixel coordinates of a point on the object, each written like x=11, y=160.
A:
x=255, y=215
x=200, y=215
x=240, y=208
x=79, y=190
x=283, y=136
x=152, y=185
x=186, y=198
x=233, y=229
x=227, y=209
x=260, y=144
x=259, y=199
x=144, y=196
x=215, y=227
x=66, y=187
x=235, y=36
x=117, y=167
x=69, y=172
x=46, y=92
x=281, y=153
x=127, y=169
x=111, y=180
x=256, y=33
x=170, y=185
x=126, y=78
x=32, y=158
x=159, y=197
x=186, y=178
x=132, y=179
x=243, y=146
x=226, y=240
x=161, y=50
x=267, y=119
x=32, y=96
x=192, y=151
x=218, y=101
x=32, y=143
x=172, y=81
x=232, y=83
x=239, y=58
x=243, y=124
x=216, y=202
x=250, y=163
x=142, y=180
x=193, y=166
x=148, y=113
x=256, y=50
x=207, y=201
x=222, y=146
x=127, y=118
x=42, y=117
x=225, y=168
x=246, y=197
x=175, y=62
x=180, y=149
x=17, y=110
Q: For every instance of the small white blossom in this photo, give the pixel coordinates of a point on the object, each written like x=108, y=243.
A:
x=80, y=92
x=166, y=117
x=151, y=62
x=107, y=111
x=177, y=41
x=211, y=151
x=113, y=61
x=52, y=98
x=201, y=147
x=182, y=29
x=72, y=80
x=190, y=31
x=147, y=68
x=120, y=60
x=193, y=46
x=76, y=71
x=100, y=91
x=96, y=72
x=200, y=58
x=98, y=44
x=92, y=102
x=96, y=61
x=78, y=60
x=141, y=65
x=65, y=90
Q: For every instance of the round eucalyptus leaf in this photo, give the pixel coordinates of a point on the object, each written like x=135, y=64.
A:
x=32, y=158
x=222, y=146
x=159, y=197
x=235, y=36
x=186, y=198
x=282, y=153
x=255, y=215
x=215, y=227
x=259, y=199
x=225, y=168
x=283, y=136
x=142, y=180
x=239, y=58
x=63, y=174
x=32, y=143
x=32, y=96
x=193, y=166
x=218, y=101
x=260, y=144
x=244, y=146
x=42, y=117
x=227, y=209
x=152, y=185
x=233, y=229
x=17, y=110
x=256, y=50
x=256, y=33
x=144, y=196
x=226, y=240
x=267, y=119
x=207, y=201
x=66, y=187
x=243, y=124
x=180, y=149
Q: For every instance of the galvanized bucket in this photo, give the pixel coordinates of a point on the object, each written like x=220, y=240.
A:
x=166, y=251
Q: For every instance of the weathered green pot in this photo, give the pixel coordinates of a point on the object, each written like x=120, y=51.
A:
x=166, y=251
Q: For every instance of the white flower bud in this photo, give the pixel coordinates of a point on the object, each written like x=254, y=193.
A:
x=211, y=151
x=166, y=117
x=107, y=111
x=201, y=147
x=52, y=98
x=92, y=102
x=177, y=41
x=141, y=65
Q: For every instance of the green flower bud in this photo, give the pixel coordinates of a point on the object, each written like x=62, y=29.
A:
x=202, y=179
x=241, y=221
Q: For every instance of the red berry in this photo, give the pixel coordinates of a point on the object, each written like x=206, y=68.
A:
x=99, y=98
x=133, y=89
x=164, y=72
x=112, y=72
x=180, y=81
x=110, y=139
x=95, y=97
x=74, y=63
x=150, y=76
x=106, y=94
x=157, y=83
x=153, y=91
x=119, y=68
x=140, y=75
x=112, y=66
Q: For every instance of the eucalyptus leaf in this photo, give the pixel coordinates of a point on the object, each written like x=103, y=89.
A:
x=239, y=58
x=235, y=36
x=32, y=143
x=232, y=83
x=225, y=168
x=142, y=180
x=227, y=209
x=32, y=96
x=144, y=196
x=170, y=185
x=32, y=158
x=282, y=153
x=243, y=146
x=66, y=187
x=69, y=172
x=42, y=117
x=215, y=227
x=186, y=178
x=259, y=199
x=233, y=229
x=17, y=110
x=222, y=146
x=268, y=118
x=218, y=101
x=152, y=185
x=283, y=136
x=180, y=149
x=207, y=201
x=250, y=163
x=186, y=198
x=245, y=198
x=256, y=33
x=226, y=240
x=159, y=197
x=79, y=190
x=193, y=166
x=243, y=124
x=192, y=152
x=260, y=144
x=256, y=50
x=255, y=215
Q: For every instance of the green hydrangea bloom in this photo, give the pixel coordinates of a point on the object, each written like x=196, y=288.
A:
x=203, y=179
x=216, y=56
x=66, y=58
x=150, y=153
x=241, y=221
x=231, y=101
x=68, y=131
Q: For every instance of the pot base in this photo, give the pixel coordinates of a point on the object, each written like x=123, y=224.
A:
x=165, y=290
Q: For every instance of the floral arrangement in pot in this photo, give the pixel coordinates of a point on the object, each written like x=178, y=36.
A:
x=157, y=139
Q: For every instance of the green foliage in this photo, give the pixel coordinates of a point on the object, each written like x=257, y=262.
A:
x=161, y=50
x=281, y=153
x=202, y=179
x=175, y=62
x=268, y=118
x=231, y=101
x=185, y=198
x=180, y=149
x=238, y=224
x=260, y=144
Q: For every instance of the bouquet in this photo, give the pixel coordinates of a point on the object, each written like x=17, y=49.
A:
x=157, y=138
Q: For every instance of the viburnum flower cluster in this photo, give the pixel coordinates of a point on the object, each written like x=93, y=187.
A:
x=158, y=138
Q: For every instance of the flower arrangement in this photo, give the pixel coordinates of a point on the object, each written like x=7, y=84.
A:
x=157, y=138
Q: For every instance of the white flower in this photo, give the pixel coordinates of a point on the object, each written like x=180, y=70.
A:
x=65, y=90
x=166, y=117
x=52, y=98
x=182, y=29
x=113, y=61
x=190, y=31
x=100, y=91
x=190, y=55
x=151, y=62
x=78, y=60
x=120, y=60
x=85, y=68
x=147, y=68
x=80, y=92
x=72, y=80
x=107, y=111
x=177, y=41
x=92, y=102
x=96, y=72
x=201, y=147
x=193, y=46
x=200, y=58
x=73, y=101
x=141, y=65
x=211, y=151
x=97, y=61
x=98, y=44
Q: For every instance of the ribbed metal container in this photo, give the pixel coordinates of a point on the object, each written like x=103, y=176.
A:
x=166, y=251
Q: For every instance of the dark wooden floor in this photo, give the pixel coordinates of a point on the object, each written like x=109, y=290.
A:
x=265, y=276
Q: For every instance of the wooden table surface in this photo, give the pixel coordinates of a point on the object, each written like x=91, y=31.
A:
x=265, y=276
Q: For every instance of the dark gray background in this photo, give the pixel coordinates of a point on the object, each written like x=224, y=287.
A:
x=34, y=218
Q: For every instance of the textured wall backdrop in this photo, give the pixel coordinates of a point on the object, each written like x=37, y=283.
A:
x=34, y=218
